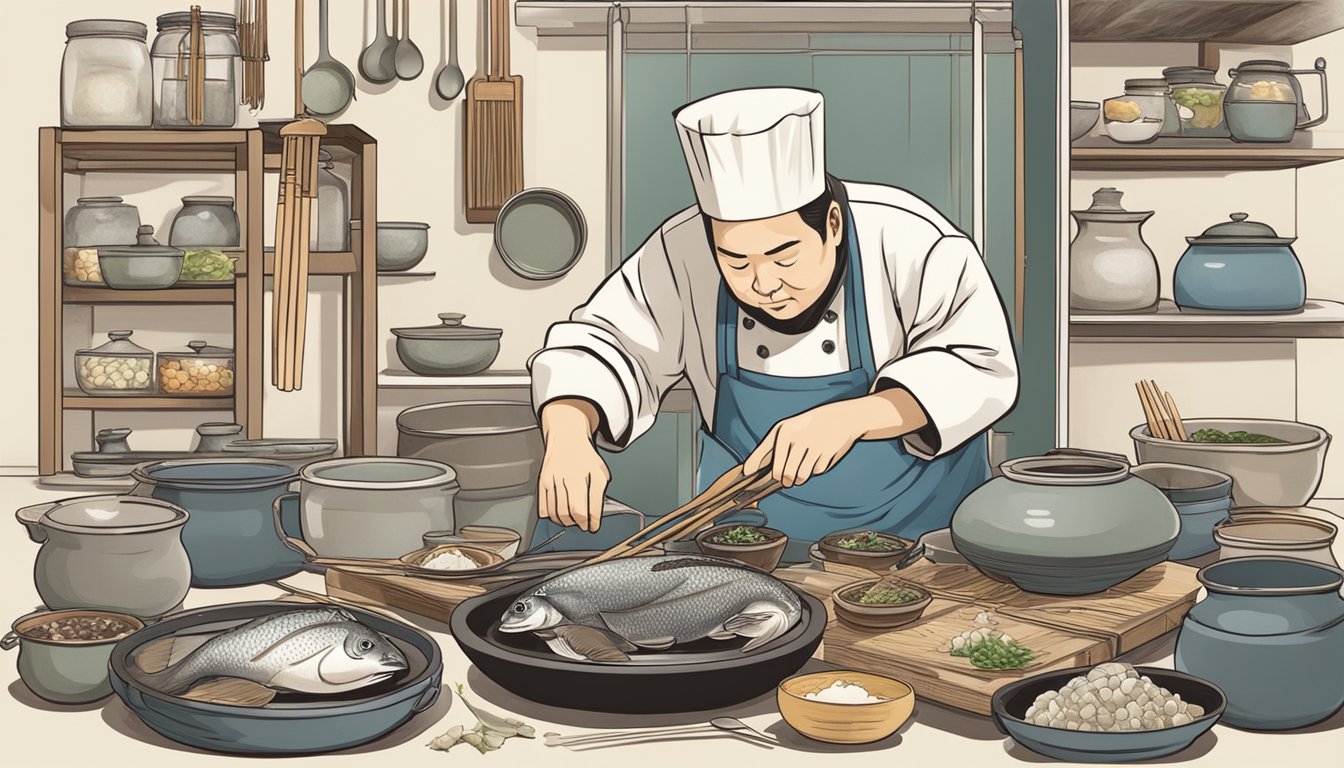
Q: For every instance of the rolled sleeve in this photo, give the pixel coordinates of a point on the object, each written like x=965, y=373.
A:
x=560, y=373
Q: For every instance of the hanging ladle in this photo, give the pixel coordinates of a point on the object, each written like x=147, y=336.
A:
x=328, y=85
x=409, y=62
x=378, y=61
x=450, y=81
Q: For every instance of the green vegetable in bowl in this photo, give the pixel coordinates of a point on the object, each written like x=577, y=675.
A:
x=202, y=264
x=1234, y=438
x=867, y=541
x=883, y=594
x=993, y=652
x=742, y=534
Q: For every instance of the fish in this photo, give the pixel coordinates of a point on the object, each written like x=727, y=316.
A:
x=317, y=651
x=607, y=611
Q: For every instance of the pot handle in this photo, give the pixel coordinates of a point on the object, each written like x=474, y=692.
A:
x=1319, y=70
x=10, y=640
x=31, y=517
x=278, y=511
x=1085, y=452
x=427, y=698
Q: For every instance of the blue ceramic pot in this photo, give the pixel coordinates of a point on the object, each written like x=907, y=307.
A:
x=1270, y=634
x=1240, y=266
x=231, y=535
x=1202, y=498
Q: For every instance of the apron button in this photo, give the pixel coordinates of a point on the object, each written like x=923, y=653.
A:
x=762, y=352
x=830, y=317
x=828, y=346
x=748, y=323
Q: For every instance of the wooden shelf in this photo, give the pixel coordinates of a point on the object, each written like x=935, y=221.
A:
x=205, y=295
x=323, y=263
x=76, y=400
x=406, y=275
x=1319, y=319
x=153, y=151
x=1224, y=21
x=390, y=378
x=1102, y=154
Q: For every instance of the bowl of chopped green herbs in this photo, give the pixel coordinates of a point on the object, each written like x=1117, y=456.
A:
x=879, y=603
x=1272, y=463
x=754, y=545
x=866, y=549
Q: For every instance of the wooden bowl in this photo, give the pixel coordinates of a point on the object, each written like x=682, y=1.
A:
x=484, y=558
x=873, y=561
x=764, y=556
x=845, y=723
x=876, y=616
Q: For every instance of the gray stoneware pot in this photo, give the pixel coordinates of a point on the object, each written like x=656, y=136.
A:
x=1074, y=523
x=112, y=553
x=447, y=349
x=1270, y=633
x=231, y=537
x=70, y=671
x=491, y=443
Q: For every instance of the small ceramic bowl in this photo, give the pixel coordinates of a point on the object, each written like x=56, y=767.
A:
x=938, y=548
x=859, y=615
x=401, y=245
x=845, y=723
x=1082, y=117
x=68, y=671
x=1264, y=532
x=873, y=561
x=1140, y=131
x=764, y=555
x=504, y=541
x=484, y=558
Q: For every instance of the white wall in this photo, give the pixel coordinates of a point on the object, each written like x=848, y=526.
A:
x=1292, y=379
x=420, y=154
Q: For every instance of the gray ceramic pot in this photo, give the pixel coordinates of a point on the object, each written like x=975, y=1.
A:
x=491, y=443
x=231, y=538
x=447, y=349
x=110, y=553
x=1202, y=498
x=1065, y=524
x=1270, y=633
x=401, y=245
x=205, y=221
x=101, y=221
x=146, y=265
x=64, y=671
x=371, y=507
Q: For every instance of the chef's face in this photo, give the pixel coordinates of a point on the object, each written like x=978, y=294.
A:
x=780, y=264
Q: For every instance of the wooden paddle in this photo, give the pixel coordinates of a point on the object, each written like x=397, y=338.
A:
x=493, y=135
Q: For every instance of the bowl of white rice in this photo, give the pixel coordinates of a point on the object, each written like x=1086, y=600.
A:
x=1110, y=713
x=845, y=707
x=451, y=558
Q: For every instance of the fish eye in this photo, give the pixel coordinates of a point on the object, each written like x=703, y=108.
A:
x=366, y=645
x=519, y=608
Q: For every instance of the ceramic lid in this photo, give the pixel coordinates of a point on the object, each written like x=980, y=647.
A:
x=100, y=200
x=208, y=200
x=113, y=514
x=450, y=328
x=1264, y=65
x=133, y=30
x=198, y=348
x=1106, y=207
x=120, y=345
x=1143, y=83
x=145, y=245
x=1174, y=75
x=1240, y=231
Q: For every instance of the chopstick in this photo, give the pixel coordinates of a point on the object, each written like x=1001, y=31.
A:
x=1159, y=408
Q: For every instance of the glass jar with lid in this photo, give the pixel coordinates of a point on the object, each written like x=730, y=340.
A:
x=119, y=367
x=209, y=75
x=1198, y=99
x=331, y=222
x=105, y=75
x=199, y=371
x=1139, y=115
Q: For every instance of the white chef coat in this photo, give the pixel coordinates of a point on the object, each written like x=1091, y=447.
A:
x=820, y=351
x=936, y=323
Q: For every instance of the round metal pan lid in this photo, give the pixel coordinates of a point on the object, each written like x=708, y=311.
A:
x=451, y=327
x=1239, y=231
x=540, y=234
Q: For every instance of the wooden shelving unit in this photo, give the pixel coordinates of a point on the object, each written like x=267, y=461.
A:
x=242, y=154
x=1318, y=319
x=1102, y=154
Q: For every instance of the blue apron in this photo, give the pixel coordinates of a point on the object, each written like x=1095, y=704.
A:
x=877, y=486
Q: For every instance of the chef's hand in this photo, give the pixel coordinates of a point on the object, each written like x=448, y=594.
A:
x=573, y=476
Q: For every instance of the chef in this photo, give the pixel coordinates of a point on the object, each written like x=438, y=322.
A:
x=847, y=335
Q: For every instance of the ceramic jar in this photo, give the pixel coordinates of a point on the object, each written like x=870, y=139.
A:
x=1111, y=268
x=1065, y=524
x=101, y=221
x=232, y=537
x=205, y=221
x=1240, y=266
x=1270, y=633
x=1202, y=498
x=110, y=553
x=1268, y=532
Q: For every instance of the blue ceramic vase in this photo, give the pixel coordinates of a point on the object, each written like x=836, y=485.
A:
x=1271, y=635
x=1240, y=266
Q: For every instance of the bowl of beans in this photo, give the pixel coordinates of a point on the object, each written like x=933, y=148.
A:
x=1110, y=713
x=63, y=654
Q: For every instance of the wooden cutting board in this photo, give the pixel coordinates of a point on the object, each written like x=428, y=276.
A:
x=1064, y=631
x=425, y=597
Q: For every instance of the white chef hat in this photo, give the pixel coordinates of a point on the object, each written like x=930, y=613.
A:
x=754, y=153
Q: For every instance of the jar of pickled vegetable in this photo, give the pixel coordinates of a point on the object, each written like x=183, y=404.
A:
x=1198, y=99
x=119, y=367
x=1138, y=115
x=200, y=371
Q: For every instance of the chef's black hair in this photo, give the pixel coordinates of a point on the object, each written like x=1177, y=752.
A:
x=813, y=214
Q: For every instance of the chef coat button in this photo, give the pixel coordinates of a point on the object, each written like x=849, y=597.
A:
x=748, y=323
x=762, y=352
x=830, y=317
x=828, y=346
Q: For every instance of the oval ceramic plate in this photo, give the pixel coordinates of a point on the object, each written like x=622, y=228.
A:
x=540, y=234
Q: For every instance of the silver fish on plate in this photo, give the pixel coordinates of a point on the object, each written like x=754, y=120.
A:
x=317, y=651
x=607, y=611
